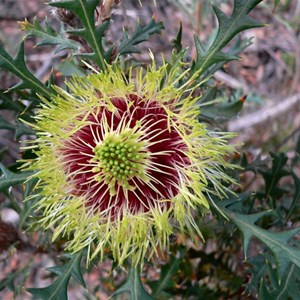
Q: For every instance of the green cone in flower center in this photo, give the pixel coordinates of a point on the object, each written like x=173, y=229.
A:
x=120, y=157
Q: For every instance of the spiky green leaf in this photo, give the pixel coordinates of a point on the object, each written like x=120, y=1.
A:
x=29, y=205
x=133, y=286
x=9, y=178
x=19, y=128
x=15, y=280
x=70, y=68
x=228, y=28
x=257, y=270
x=288, y=288
x=177, y=42
x=6, y=102
x=278, y=242
x=221, y=111
x=238, y=46
x=58, y=289
x=48, y=35
x=85, y=10
x=141, y=34
x=275, y=173
x=166, y=280
x=296, y=197
x=18, y=67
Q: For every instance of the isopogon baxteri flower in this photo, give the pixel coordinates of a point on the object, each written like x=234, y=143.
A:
x=124, y=163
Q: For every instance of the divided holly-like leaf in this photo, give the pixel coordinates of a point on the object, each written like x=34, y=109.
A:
x=85, y=10
x=256, y=166
x=6, y=102
x=212, y=110
x=28, y=206
x=296, y=196
x=166, y=279
x=288, y=288
x=238, y=46
x=19, y=128
x=58, y=289
x=15, y=280
x=228, y=28
x=278, y=242
x=275, y=173
x=272, y=175
x=48, y=35
x=221, y=111
x=133, y=286
x=257, y=270
x=177, y=42
x=18, y=67
x=141, y=34
x=9, y=178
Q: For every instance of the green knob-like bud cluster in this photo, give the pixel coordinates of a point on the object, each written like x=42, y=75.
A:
x=120, y=157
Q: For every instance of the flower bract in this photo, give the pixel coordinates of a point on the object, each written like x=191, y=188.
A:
x=123, y=163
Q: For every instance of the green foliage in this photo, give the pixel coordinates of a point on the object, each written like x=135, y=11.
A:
x=70, y=68
x=133, y=286
x=177, y=42
x=167, y=280
x=18, y=67
x=229, y=27
x=220, y=110
x=19, y=128
x=283, y=200
x=58, y=289
x=278, y=242
x=214, y=106
x=141, y=34
x=9, y=178
x=28, y=206
x=85, y=10
x=7, y=102
x=273, y=175
x=296, y=196
x=265, y=276
x=287, y=288
x=273, y=191
x=238, y=46
x=15, y=280
x=48, y=35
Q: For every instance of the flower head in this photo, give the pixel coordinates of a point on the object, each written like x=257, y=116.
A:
x=123, y=163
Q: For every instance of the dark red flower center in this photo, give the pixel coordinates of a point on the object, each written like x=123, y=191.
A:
x=127, y=156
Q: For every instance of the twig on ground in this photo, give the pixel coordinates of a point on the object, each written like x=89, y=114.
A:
x=264, y=114
x=231, y=81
